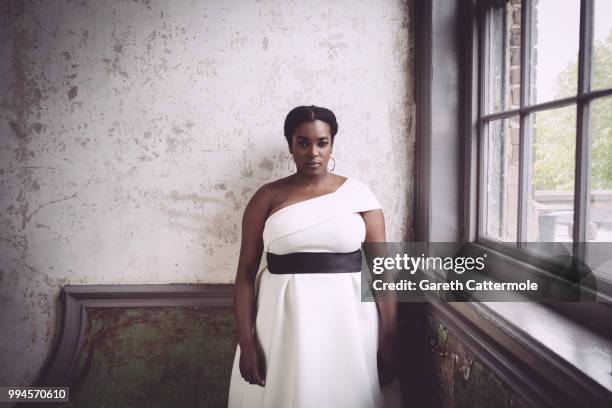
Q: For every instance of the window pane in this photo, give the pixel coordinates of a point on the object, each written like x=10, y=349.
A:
x=502, y=163
x=551, y=184
x=600, y=211
x=602, y=45
x=505, y=57
x=554, y=49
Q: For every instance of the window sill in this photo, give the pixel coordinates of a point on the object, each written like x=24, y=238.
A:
x=554, y=337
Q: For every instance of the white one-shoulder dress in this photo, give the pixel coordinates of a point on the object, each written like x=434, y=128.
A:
x=319, y=339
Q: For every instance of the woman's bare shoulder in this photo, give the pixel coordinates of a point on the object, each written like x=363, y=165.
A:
x=274, y=187
x=265, y=195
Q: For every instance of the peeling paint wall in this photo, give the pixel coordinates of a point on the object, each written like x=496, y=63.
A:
x=134, y=132
x=155, y=357
x=462, y=379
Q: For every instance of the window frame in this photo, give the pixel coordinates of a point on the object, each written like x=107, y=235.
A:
x=451, y=29
x=581, y=100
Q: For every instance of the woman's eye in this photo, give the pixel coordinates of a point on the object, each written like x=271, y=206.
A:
x=321, y=144
x=302, y=144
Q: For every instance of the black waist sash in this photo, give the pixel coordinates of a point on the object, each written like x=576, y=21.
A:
x=314, y=262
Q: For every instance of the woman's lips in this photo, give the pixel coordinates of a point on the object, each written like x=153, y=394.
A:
x=313, y=164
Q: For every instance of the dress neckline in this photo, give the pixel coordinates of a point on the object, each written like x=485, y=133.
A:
x=307, y=200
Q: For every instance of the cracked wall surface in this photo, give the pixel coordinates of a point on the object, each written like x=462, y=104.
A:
x=132, y=134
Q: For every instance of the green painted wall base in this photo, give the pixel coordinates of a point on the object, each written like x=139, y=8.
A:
x=155, y=357
x=462, y=380
x=182, y=357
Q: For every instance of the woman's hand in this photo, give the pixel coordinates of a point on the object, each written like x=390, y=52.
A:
x=387, y=358
x=252, y=363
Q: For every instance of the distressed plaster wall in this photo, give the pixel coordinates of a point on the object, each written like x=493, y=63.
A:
x=155, y=357
x=134, y=132
x=462, y=380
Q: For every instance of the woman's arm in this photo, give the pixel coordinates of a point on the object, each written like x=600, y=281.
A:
x=387, y=307
x=375, y=232
x=251, y=359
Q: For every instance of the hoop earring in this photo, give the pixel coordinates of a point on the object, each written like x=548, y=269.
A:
x=289, y=166
x=334, y=166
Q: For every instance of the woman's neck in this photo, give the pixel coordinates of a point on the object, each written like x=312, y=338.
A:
x=311, y=180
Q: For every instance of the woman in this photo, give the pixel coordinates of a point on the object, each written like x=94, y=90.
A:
x=305, y=339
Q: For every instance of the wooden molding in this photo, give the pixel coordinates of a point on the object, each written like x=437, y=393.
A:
x=422, y=158
x=77, y=299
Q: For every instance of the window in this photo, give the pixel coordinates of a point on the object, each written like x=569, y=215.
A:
x=545, y=122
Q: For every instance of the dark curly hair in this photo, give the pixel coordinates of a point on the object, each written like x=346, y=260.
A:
x=302, y=114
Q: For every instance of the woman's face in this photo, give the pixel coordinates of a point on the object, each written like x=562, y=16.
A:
x=311, y=147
